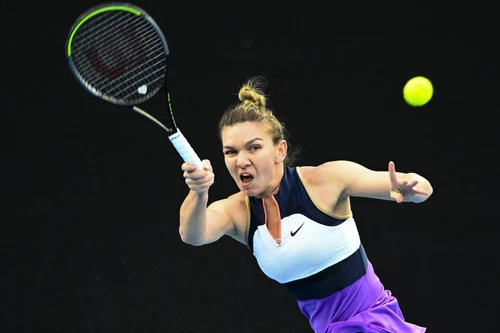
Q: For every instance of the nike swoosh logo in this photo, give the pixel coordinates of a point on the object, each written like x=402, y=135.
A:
x=294, y=233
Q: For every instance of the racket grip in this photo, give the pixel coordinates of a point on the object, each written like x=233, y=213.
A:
x=185, y=150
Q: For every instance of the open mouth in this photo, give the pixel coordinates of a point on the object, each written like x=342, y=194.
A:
x=246, y=178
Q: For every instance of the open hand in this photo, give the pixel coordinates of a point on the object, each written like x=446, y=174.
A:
x=403, y=188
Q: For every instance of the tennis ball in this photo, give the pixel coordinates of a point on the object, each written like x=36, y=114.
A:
x=418, y=91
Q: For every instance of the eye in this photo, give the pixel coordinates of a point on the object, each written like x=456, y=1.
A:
x=254, y=148
x=229, y=152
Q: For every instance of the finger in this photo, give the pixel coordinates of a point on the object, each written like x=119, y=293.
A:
x=421, y=191
x=413, y=183
x=392, y=172
x=398, y=197
x=196, y=174
x=188, y=167
x=200, y=176
x=202, y=182
x=207, y=165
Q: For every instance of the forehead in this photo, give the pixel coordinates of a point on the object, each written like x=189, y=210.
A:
x=241, y=133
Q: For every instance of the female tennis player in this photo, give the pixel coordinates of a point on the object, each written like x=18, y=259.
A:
x=297, y=221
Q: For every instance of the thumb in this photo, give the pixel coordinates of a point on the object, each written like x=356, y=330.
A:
x=207, y=165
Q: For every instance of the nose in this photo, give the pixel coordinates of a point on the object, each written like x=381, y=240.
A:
x=242, y=161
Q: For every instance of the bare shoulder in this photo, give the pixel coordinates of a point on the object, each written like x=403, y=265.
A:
x=324, y=185
x=323, y=173
x=237, y=203
x=235, y=207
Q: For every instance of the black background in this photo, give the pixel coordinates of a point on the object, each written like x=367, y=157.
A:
x=92, y=240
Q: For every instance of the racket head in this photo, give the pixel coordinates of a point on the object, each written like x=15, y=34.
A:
x=118, y=53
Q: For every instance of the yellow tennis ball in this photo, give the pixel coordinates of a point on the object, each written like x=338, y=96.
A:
x=418, y=91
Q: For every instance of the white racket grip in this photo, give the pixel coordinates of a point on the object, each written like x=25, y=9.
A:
x=185, y=150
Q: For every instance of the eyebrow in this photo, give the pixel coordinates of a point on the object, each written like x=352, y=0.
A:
x=246, y=144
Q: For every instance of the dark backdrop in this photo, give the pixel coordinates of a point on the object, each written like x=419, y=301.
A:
x=92, y=231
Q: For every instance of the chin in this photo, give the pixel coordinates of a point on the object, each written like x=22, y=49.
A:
x=250, y=192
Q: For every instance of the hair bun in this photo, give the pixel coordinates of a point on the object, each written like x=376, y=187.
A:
x=251, y=93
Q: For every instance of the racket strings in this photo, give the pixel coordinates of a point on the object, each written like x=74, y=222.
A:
x=152, y=77
x=154, y=65
x=100, y=35
x=117, y=53
x=109, y=47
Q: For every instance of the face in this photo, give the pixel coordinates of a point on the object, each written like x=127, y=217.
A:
x=253, y=160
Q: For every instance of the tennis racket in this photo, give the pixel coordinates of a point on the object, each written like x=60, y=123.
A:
x=119, y=54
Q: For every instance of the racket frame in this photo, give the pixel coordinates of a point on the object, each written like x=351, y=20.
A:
x=175, y=135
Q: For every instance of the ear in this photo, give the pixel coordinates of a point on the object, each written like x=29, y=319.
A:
x=281, y=150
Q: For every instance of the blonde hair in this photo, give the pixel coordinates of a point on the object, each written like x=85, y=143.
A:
x=252, y=108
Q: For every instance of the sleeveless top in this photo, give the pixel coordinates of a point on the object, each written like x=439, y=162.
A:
x=319, y=254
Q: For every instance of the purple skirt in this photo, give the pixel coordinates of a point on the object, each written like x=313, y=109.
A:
x=363, y=307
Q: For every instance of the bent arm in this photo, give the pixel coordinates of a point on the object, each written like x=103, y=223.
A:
x=199, y=224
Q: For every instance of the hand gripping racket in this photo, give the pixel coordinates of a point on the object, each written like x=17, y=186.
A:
x=118, y=53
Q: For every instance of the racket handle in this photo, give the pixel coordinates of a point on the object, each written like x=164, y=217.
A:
x=185, y=150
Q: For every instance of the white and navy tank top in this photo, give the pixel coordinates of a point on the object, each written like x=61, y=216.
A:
x=319, y=254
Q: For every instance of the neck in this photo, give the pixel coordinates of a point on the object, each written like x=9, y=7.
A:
x=275, y=185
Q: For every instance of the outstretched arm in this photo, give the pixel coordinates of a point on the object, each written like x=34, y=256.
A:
x=359, y=181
